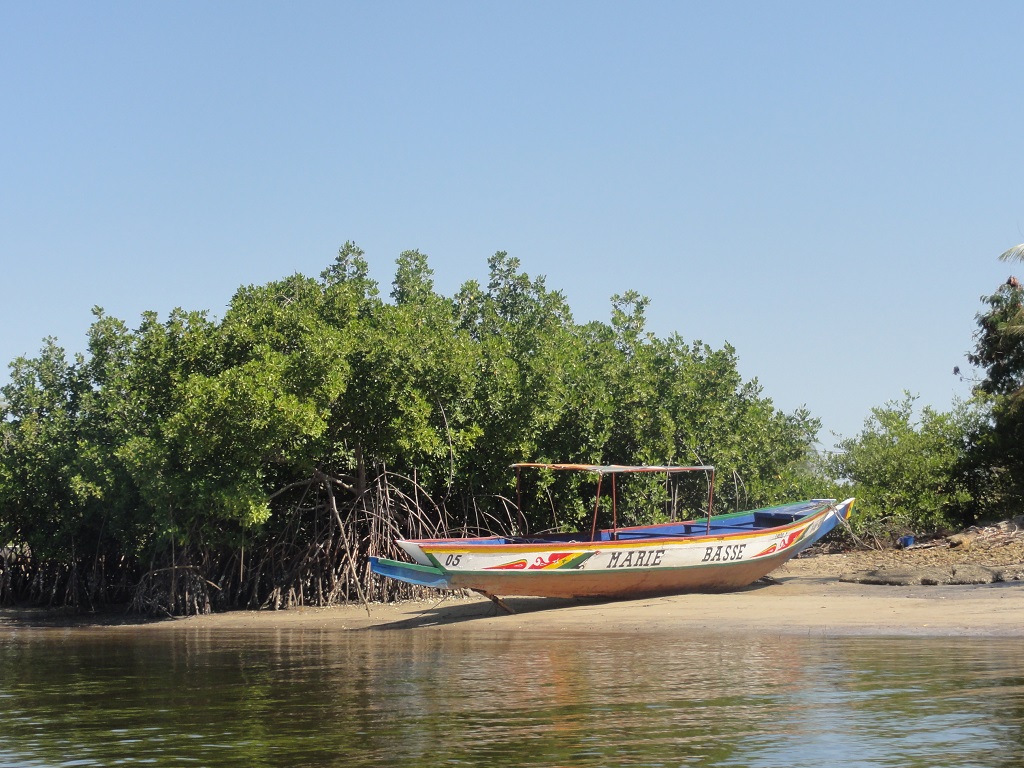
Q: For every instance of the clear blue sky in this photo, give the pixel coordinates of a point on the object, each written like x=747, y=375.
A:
x=825, y=186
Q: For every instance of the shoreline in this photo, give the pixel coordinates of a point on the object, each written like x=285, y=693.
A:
x=804, y=597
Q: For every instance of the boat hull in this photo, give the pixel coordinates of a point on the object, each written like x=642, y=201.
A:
x=641, y=563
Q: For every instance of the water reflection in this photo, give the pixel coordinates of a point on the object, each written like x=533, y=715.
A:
x=305, y=697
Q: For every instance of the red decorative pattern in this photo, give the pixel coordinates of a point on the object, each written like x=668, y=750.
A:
x=780, y=545
x=552, y=561
x=540, y=563
x=515, y=565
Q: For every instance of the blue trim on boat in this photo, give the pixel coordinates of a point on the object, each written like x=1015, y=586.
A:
x=411, y=573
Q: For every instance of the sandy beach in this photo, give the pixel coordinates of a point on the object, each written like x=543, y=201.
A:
x=795, y=605
x=800, y=599
x=806, y=596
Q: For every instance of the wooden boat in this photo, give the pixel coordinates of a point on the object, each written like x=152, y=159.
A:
x=711, y=554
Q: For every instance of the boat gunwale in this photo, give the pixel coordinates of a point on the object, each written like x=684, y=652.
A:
x=477, y=544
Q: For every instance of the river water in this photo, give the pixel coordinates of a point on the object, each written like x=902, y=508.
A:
x=310, y=697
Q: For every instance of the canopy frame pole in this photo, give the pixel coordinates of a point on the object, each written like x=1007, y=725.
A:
x=711, y=497
x=519, y=492
x=597, y=505
x=615, y=515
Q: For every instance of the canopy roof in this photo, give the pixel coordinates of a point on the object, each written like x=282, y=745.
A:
x=614, y=469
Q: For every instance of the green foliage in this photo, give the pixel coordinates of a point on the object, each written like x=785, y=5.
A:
x=907, y=469
x=997, y=453
x=999, y=343
x=193, y=446
x=44, y=494
x=413, y=379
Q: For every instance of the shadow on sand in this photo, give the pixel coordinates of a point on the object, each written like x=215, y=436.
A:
x=444, y=613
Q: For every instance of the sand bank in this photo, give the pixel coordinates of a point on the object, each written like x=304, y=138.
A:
x=795, y=604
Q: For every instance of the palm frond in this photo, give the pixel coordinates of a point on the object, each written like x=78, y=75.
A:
x=1014, y=254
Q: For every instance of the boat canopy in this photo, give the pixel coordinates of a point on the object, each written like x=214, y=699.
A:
x=613, y=469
